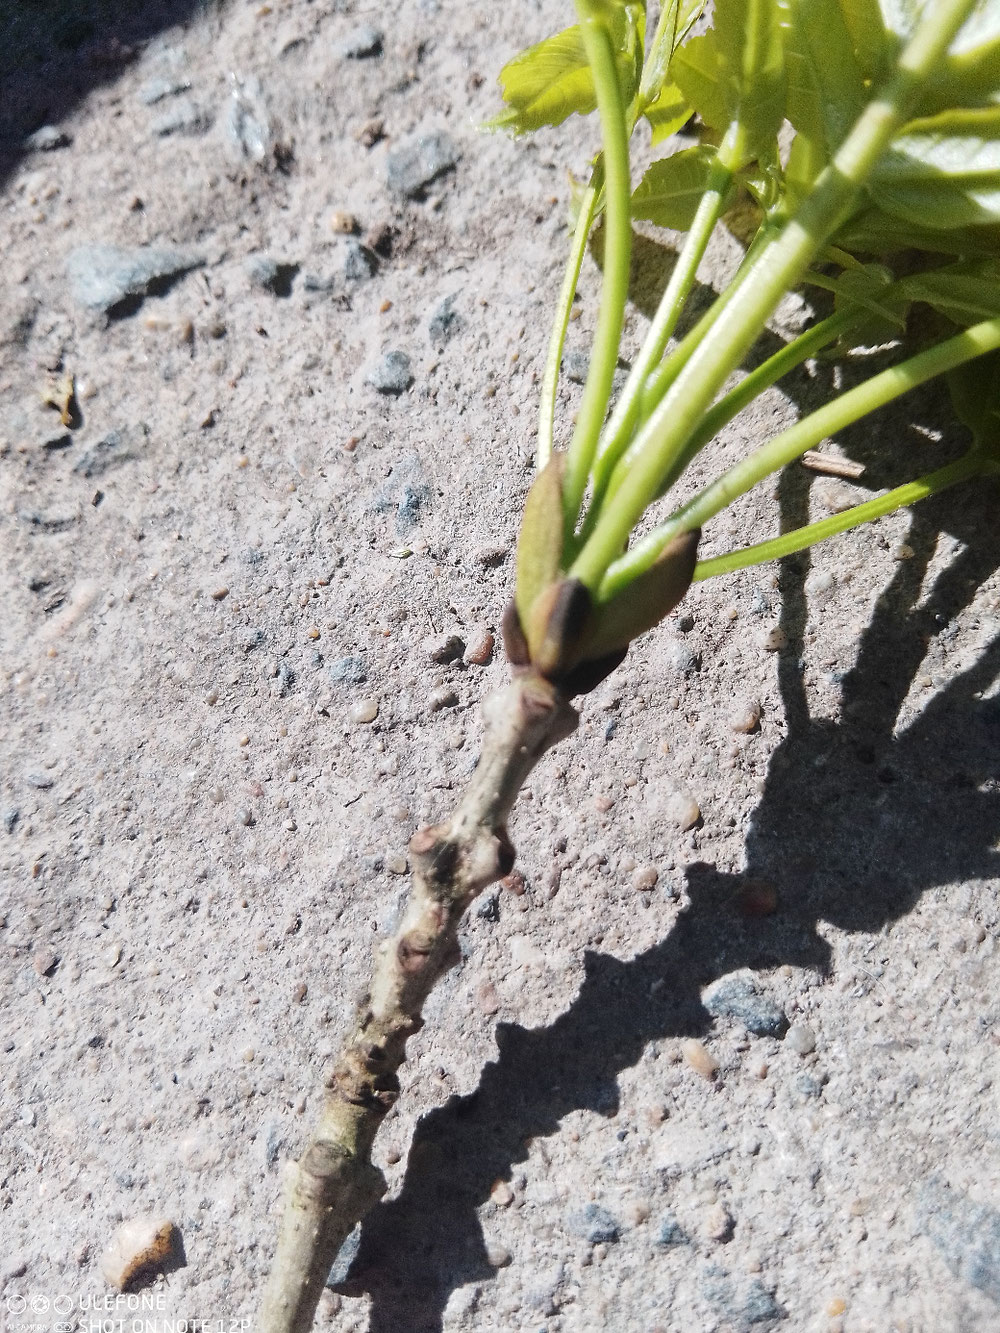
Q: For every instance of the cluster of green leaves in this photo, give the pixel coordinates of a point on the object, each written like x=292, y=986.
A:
x=858, y=144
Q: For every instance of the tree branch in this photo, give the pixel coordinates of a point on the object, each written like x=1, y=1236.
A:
x=335, y=1183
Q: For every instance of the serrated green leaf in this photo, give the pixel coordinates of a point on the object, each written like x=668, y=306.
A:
x=540, y=541
x=826, y=87
x=667, y=113
x=671, y=190
x=677, y=17
x=943, y=171
x=699, y=71
x=551, y=80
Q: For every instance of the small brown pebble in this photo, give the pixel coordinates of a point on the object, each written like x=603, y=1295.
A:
x=501, y=1194
x=385, y=307
x=719, y=1223
x=491, y=557
x=344, y=223
x=837, y=1306
x=645, y=879
x=350, y=444
x=487, y=998
x=299, y=992
x=44, y=962
x=480, y=650
x=699, y=1058
x=756, y=899
x=602, y=804
x=515, y=883
x=370, y=133
x=745, y=717
x=220, y=594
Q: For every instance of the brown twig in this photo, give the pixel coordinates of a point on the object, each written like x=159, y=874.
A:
x=335, y=1183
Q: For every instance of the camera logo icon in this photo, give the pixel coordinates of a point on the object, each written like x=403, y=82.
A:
x=39, y=1303
x=16, y=1304
x=63, y=1304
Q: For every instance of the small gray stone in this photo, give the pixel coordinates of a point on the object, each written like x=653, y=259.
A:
x=575, y=365
x=184, y=116
x=808, y=1085
x=10, y=817
x=361, y=43
x=391, y=373
x=271, y=275
x=744, y=1304
x=359, y=262
x=444, y=322
x=41, y=781
x=418, y=161
x=317, y=282
x=681, y=658
x=248, y=126
x=671, y=1232
x=102, y=277
x=47, y=139
x=348, y=1252
x=966, y=1233
x=595, y=1224
x=352, y=670
x=737, y=997
x=119, y=446
x=404, y=491
x=157, y=90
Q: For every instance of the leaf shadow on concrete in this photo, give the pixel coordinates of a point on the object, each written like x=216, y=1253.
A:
x=54, y=53
x=859, y=817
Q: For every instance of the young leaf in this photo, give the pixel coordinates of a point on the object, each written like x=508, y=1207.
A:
x=965, y=293
x=826, y=89
x=667, y=113
x=540, y=543
x=551, y=80
x=670, y=191
x=647, y=599
x=943, y=171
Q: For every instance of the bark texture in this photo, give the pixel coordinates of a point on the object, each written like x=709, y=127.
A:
x=335, y=1183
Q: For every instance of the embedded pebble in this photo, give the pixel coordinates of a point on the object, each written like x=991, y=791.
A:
x=44, y=961
x=249, y=639
x=41, y=781
x=737, y=997
x=341, y=1268
x=699, y=1058
x=645, y=879
x=501, y=1194
x=361, y=43
x=683, y=810
x=480, y=650
x=774, y=640
x=681, y=658
x=745, y=717
x=139, y=1244
x=594, y=1224
x=575, y=366
x=445, y=321
x=445, y=697
x=965, y=1232
x=271, y=275
x=248, y=126
x=365, y=710
x=396, y=864
x=345, y=224
x=719, y=1223
x=744, y=1303
x=47, y=139
x=801, y=1039
x=418, y=162
x=391, y=373
x=490, y=557
x=671, y=1232
x=444, y=648
x=359, y=262
x=498, y=1256
x=102, y=277
x=350, y=670
x=10, y=817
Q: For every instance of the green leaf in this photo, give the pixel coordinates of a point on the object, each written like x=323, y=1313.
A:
x=667, y=113
x=671, y=190
x=870, y=287
x=677, y=17
x=964, y=293
x=874, y=232
x=735, y=73
x=975, y=396
x=943, y=171
x=551, y=80
x=826, y=87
